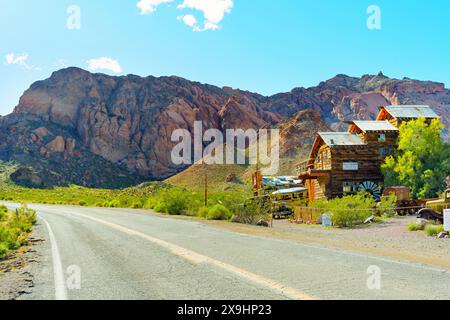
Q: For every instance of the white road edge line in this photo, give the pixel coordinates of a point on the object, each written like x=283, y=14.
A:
x=199, y=258
x=58, y=273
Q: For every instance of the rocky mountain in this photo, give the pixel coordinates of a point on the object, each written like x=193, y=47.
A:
x=102, y=131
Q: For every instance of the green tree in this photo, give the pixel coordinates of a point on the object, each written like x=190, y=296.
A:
x=422, y=159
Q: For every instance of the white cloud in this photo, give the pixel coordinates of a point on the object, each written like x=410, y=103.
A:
x=20, y=60
x=189, y=20
x=213, y=11
x=104, y=63
x=149, y=6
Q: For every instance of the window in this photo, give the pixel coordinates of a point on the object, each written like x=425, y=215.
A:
x=384, y=152
x=350, y=187
x=350, y=166
x=382, y=137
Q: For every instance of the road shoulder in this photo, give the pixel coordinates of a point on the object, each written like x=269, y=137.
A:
x=17, y=272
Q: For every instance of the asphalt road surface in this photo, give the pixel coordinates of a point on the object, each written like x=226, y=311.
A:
x=100, y=253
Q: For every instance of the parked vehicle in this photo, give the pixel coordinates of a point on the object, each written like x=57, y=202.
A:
x=434, y=209
x=405, y=204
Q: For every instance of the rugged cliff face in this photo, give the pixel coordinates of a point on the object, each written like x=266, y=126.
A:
x=102, y=131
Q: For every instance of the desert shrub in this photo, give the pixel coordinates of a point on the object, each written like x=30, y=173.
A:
x=3, y=248
x=14, y=228
x=218, y=212
x=137, y=205
x=232, y=200
x=413, y=226
x=433, y=230
x=203, y=212
x=171, y=201
x=388, y=205
x=252, y=211
x=113, y=204
x=348, y=211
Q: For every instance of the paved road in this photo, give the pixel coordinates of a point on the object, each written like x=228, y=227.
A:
x=129, y=254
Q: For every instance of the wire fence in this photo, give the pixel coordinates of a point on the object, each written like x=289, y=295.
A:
x=311, y=214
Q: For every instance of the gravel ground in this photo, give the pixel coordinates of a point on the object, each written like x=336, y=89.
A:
x=16, y=272
x=390, y=238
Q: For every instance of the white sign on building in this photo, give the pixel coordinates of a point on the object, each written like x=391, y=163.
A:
x=350, y=166
x=447, y=219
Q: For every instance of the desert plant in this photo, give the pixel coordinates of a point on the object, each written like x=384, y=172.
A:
x=348, y=211
x=415, y=227
x=433, y=230
x=252, y=211
x=203, y=212
x=14, y=228
x=218, y=212
x=171, y=201
x=388, y=204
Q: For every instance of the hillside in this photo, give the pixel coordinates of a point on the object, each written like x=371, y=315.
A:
x=101, y=131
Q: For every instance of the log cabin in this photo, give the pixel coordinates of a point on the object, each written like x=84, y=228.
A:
x=396, y=115
x=342, y=163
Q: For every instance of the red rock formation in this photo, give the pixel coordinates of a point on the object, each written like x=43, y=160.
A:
x=81, y=119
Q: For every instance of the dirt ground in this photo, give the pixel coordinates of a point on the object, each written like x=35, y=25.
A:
x=390, y=238
x=16, y=272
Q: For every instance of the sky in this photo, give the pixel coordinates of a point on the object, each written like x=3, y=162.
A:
x=264, y=46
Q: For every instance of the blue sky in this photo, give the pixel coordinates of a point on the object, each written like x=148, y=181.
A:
x=264, y=46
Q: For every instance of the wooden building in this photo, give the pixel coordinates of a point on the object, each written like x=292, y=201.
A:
x=399, y=114
x=343, y=163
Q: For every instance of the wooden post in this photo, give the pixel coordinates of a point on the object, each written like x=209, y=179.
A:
x=206, y=190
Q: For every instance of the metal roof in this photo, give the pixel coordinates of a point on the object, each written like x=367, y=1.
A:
x=411, y=112
x=375, y=126
x=292, y=190
x=341, y=139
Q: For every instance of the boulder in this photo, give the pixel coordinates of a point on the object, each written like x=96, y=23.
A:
x=263, y=223
x=371, y=219
x=442, y=235
x=421, y=223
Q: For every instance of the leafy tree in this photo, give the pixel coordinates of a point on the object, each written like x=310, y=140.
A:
x=422, y=159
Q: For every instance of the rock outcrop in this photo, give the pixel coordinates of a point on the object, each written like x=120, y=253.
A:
x=103, y=131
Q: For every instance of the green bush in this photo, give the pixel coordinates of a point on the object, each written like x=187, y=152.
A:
x=172, y=201
x=348, y=211
x=388, y=205
x=218, y=212
x=252, y=211
x=14, y=228
x=203, y=212
x=433, y=230
x=415, y=226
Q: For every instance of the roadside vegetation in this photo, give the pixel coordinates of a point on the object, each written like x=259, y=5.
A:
x=422, y=160
x=135, y=197
x=354, y=210
x=231, y=204
x=15, y=227
x=429, y=228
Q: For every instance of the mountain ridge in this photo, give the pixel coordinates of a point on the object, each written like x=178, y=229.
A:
x=111, y=131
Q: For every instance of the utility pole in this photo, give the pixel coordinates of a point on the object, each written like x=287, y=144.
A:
x=206, y=190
